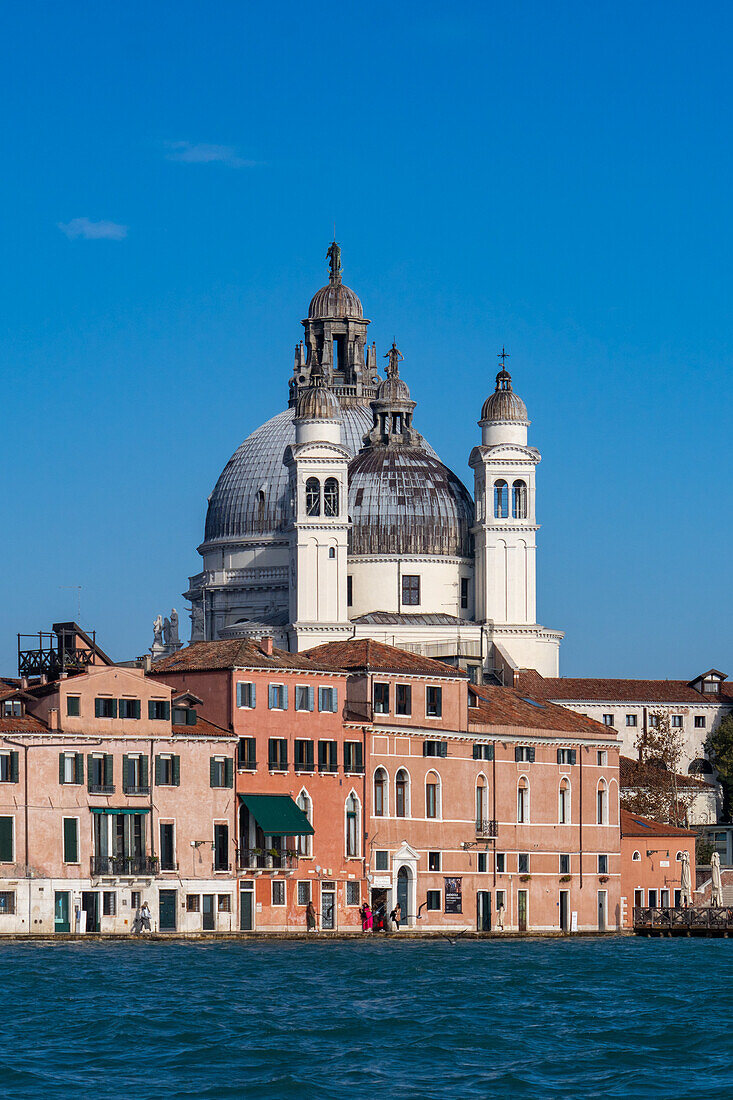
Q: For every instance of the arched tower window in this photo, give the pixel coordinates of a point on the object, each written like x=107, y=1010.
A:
x=352, y=825
x=563, y=803
x=432, y=795
x=313, y=497
x=523, y=801
x=305, y=842
x=519, y=499
x=482, y=803
x=602, y=802
x=331, y=497
x=501, y=499
x=380, y=792
x=402, y=793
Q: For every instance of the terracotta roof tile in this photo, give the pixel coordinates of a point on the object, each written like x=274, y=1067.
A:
x=230, y=653
x=203, y=728
x=373, y=656
x=505, y=706
x=636, y=825
x=617, y=691
x=26, y=724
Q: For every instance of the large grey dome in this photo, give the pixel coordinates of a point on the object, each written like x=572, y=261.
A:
x=403, y=500
x=335, y=300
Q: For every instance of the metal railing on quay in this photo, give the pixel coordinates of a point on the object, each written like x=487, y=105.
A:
x=698, y=916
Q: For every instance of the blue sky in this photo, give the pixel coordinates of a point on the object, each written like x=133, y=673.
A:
x=550, y=177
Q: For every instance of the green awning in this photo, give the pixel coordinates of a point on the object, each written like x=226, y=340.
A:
x=119, y=810
x=277, y=814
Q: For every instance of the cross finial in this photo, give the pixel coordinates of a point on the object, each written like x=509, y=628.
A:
x=503, y=355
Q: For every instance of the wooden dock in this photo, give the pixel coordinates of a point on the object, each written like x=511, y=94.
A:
x=701, y=920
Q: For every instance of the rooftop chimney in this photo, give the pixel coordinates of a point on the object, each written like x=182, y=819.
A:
x=53, y=719
x=267, y=646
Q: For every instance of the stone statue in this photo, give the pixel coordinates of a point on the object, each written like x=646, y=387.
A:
x=395, y=356
x=175, y=640
x=334, y=258
x=167, y=631
x=158, y=631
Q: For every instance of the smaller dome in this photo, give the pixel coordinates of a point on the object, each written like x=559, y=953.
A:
x=316, y=402
x=504, y=404
x=393, y=389
x=335, y=300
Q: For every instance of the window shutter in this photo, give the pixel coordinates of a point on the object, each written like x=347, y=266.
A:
x=489, y=752
x=135, y=708
x=167, y=711
x=6, y=839
x=285, y=697
x=573, y=756
x=359, y=755
x=14, y=767
x=425, y=748
x=272, y=753
x=309, y=753
x=531, y=756
x=283, y=753
x=228, y=772
x=145, y=774
x=176, y=771
x=108, y=770
x=477, y=752
x=311, y=697
x=125, y=773
x=79, y=767
x=61, y=767
x=191, y=717
x=322, y=750
x=71, y=840
x=158, y=770
x=212, y=773
x=151, y=709
x=114, y=708
x=97, y=708
x=240, y=692
x=89, y=769
x=443, y=748
x=333, y=754
x=517, y=753
x=559, y=756
x=271, y=696
x=253, y=694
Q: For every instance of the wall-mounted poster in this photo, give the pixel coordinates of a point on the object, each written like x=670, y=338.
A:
x=453, y=901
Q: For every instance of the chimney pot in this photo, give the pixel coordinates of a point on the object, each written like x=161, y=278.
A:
x=53, y=719
x=267, y=646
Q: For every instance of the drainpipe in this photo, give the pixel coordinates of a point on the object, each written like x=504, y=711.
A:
x=580, y=816
x=493, y=805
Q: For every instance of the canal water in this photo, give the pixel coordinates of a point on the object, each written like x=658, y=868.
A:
x=531, y=1018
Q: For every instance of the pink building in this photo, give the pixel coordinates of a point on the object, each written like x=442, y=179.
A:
x=651, y=864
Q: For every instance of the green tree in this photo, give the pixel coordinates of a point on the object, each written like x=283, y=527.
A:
x=719, y=747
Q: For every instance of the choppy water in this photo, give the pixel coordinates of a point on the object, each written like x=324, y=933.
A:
x=534, y=1018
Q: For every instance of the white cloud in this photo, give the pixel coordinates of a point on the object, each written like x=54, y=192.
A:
x=189, y=152
x=89, y=230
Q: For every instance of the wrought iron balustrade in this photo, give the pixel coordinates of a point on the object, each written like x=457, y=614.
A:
x=265, y=859
x=131, y=788
x=125, y=865
x=101, y=788
x=486, y=827
x=680, y=917
x=328, y=767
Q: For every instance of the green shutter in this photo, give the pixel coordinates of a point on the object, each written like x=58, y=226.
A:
x=89, y=769
x=114, y=708
x=14, y=767
x=191, y=717
x=135, y=708
x=322, y=751
x=166, y=711
x=108, y=770
x=309, y=753
x=125, y=773
x=151, y=709
x=145, y=771
x=97, y=708
x=228, y=772
x=359, y=755
x=531, y=755
x=158, y=771
x=176, y=771
x=79, y=767
x=573, y=756
x=559, y=756
x=71, y=840
x=61, y=767
x=212, y=773
x=272, y=753
x=6, y=840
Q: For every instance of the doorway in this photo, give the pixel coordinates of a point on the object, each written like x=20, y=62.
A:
x=522, y=910
x=403, y=893
x=483, y=910
x=90, y=905
x=246, y=910
x=380, y=909
x=601, y=910
x=328, y=907
x=167, y=911
x=61, y=912
x=207, y=912
x=565, y=910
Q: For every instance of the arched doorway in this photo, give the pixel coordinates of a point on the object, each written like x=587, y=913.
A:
x=403, y=892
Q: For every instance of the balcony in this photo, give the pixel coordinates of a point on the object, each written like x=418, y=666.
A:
x=486, y=827
x=101, y=788
x=266, y=859
x=330, y=768
x=125, y=865
x=132, y=789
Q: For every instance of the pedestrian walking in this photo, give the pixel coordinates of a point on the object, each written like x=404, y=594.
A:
x=396, y=916
x=145, y=918
x=310, y=918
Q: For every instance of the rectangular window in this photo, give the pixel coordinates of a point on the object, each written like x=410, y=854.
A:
x=602, y=758
x=303, y=755
x=129, y=708
x=277, y=697
x=221, y=847
x=500, y=900
x=433, y=898
x=304, y=697
x=381, y=861
x=566, y=756
x=100, y=773
x=246, y=695
x=500, y=863
x=353, y=893
x=277, y=754
x=184, y=716
x=304, y=893
x=564, y=863
x=278, y=891
x=167, y=770
x=524, y=754
x=159, y=710
x=411, y=591
x=12, y=708
x=327, y=756
x=464, y=593
x=71, y=840
x=603, y=865
x=630, y=719
x=109, y=903
x=654, y=721
x=7, y=903
x=247, y=753
x=431, y=800
x=328, y=700
x=435, y=748
x=676, y=721
x=434, y=861
x=482, y=863
x=73, y=706
x=193, y=903
x=607, y=719
x=699, y=721
x=135, y=774
x=433, y=702
x=523, y=863
x=224, y=903
x=135, y=899
x=167, y=846
x=221, y=771
x=380, y=694
x=105, y=707
x=353, y=757
x=349, y=591
x=403, y=699
x=483, y=752
x=9, y=767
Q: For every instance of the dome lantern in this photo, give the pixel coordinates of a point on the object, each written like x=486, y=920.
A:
x=504, y=415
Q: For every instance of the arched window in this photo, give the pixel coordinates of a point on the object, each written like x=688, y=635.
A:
x=519, y=499
x=313, y=497
x=523, y=801
x=402, y=794
x=261, y=506
x=482, y=804
x=432, y=795
x=305, y=842
x=352, y=825
x=331, y=497
x=332, y=551
x=380, y=792
x=501, y=499
x=563, y=805
x=678, y=857
x=636, y=858
x=602, y=802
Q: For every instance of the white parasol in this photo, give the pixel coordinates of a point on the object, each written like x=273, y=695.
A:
x=716, y=897
x=686, y=882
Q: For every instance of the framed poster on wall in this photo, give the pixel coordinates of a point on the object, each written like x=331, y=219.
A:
x=452, y=894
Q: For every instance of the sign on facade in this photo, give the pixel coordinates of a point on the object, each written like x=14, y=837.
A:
x=453, y=900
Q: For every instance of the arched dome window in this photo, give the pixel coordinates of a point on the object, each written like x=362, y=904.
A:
x=519, y=499
x=636, y=858
x=313, y=497
x=380, y=792
x=402, y=794
x=501, y=499
x=261, y=506
x=678, y=857
x=331, y=497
